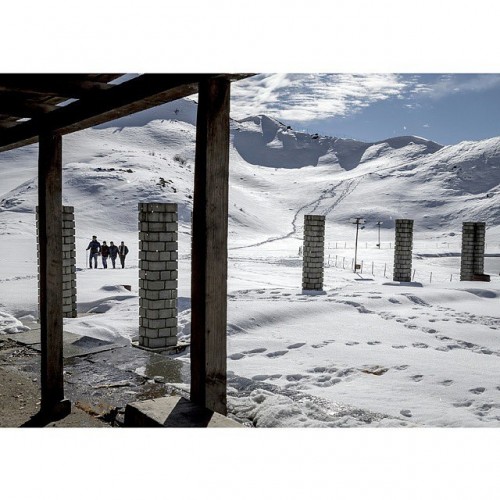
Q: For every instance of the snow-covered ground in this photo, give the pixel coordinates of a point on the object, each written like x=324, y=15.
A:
x=366, y=352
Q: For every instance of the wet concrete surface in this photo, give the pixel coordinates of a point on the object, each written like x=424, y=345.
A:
x=100, y=377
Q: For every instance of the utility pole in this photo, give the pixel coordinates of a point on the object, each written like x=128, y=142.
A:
x=379, y=223
x=357, y=221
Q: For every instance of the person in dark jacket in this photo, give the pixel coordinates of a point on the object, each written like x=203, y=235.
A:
x=113, y=252
x=122, y=253
x=104, y=254
x=95, y=248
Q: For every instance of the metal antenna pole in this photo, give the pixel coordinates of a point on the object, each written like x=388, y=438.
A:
x=379, y=223
x=356, y=246
x=357, y=221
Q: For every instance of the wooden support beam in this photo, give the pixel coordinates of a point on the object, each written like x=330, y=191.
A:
x=209, y=247
x=61, y=85
x=14, y=105
x=137, y=94
x=132, y=96
x=51, y=301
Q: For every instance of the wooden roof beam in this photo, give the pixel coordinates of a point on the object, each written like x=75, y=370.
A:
x=21, y=108
x=138, y=94
x=75, y=86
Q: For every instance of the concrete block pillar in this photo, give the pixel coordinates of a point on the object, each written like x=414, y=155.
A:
x=314, y=252
x=158, y=275
x=69, y=261
x=473, y=245
x=403, y=250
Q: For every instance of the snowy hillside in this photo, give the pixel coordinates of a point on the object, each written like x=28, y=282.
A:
x=368, y=352
x=150, y=156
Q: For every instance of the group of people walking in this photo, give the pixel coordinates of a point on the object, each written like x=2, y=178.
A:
x=112, y=251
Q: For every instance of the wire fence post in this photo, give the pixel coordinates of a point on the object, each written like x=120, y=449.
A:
x=430, y=278
x=361, y=267
x=385, y=268
x=372, y=269
x=413, y=276
x=343, y=262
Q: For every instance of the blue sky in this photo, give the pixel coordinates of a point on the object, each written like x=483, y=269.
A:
x=446, y=108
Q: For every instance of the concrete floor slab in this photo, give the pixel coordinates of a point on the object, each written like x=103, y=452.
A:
x=173, y=411
x=73, y=344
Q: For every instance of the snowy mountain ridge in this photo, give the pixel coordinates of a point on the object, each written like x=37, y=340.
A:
x=150, y=157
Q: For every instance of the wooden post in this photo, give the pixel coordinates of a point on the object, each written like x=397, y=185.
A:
x=209, y=247
x=51, y=268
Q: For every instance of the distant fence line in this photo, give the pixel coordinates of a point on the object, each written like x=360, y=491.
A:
x=417, y=245
x=384, y=270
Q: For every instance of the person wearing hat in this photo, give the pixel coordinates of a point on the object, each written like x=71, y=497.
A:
x=95, y=248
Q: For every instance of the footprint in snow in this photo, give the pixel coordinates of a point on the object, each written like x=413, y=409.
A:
x=420, y=345
x=394, y=301
x=463, y=404
x=374, y=342
x=401, y=367
x=258, y=350
x=296, y=346
x=399, y=346
x=429, y=330
x=484, y=409
x=276, y=354
x=417, y=378
x=236, y=356
x=446, y=382
x=406, y=413
x=326, y=382
x=477, y=390
x=319, y=369
x=345, y=372
x=351, y=343
x=296, y=377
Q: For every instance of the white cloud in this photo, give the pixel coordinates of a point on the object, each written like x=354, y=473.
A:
x=305, y=97
x=317, y=96
x=456, y=83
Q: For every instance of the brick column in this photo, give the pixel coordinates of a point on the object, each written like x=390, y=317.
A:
x=403, y=250
x=157, y=275
x=69, y=261
x=314, y=252
x=473, y=244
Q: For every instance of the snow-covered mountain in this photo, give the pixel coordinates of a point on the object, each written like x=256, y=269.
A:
x=286, y=173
